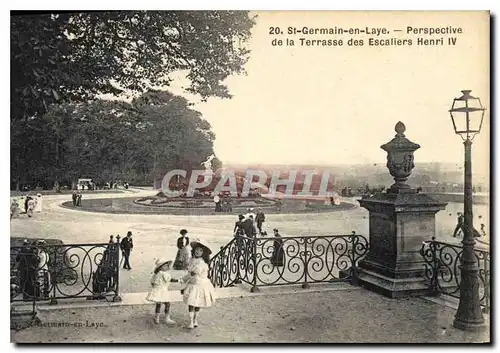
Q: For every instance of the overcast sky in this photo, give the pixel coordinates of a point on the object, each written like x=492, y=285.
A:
x=338, y=105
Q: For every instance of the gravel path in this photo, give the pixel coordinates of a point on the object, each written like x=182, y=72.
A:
x=353, y=316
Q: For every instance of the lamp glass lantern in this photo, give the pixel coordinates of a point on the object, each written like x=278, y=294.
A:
x=467, y=115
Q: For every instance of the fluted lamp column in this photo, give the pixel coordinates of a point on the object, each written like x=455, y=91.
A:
x=467, y=115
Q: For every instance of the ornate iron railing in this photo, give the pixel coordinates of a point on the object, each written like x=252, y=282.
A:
x=272, y=261
x=308, y=259
x=52, y=272
x=233, y=263
x=442, y=269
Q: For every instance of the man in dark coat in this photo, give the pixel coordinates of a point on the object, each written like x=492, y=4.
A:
x=460, y=224
x=26, y=200
x=126, y=245
x=260, y=218
x=248, y=227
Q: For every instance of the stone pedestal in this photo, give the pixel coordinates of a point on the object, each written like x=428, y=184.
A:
x=399, y=223
x=400, y=220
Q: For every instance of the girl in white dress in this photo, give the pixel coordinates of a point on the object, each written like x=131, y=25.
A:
x=160, y=281
x=38, y=204
x=199, y=291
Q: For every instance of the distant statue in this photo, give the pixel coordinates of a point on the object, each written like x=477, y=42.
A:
x=208, y=163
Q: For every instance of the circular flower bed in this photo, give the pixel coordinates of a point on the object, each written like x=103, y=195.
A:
x=160, y=200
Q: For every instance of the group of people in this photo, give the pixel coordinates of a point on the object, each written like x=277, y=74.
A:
x=197, y=290
x=250, y=224
x=76, y=198
x=222, y=204
x=460, y=227
x=31, y=205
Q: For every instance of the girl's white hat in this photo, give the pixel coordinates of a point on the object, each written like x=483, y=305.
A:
x=160, y=262
x=201, y=243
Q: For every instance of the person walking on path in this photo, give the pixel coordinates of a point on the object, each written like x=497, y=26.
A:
x=260, y=218
x=239, y=232
x=74, y=197
x=460, y=224
x=26, y=200
x=199, y=291
x=159, y=293
x=278, y=257
x=483, y=231
x=238, y=226
x=126, y=245
x=183, y=251
x=249, y=227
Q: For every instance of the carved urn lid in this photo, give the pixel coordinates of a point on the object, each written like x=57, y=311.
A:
x=400, y=143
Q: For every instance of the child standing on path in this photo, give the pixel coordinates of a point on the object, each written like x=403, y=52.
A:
x=199, y=292
x=160, y=281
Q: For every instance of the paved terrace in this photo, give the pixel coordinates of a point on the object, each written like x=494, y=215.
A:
x=334, y=313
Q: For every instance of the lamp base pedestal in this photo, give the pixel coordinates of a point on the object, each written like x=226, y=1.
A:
x=470, y=326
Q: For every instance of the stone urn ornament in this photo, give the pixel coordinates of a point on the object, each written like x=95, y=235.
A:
x=400, y=159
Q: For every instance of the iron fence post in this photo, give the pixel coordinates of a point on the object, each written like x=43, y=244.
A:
x=35, y=289
x=305, y=285
x=221, y=266
x=354, y=268
x=53, y=278
x=237, y=241
x=436, y=268
x=254, y=259
x=486, y=284
x=116, y=250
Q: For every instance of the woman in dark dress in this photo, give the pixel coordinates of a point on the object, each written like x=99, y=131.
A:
x=238, y=226
x=278, y=257
x=183, y=253
x=27, y=269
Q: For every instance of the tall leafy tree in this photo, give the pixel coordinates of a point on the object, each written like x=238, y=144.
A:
x=78, y=56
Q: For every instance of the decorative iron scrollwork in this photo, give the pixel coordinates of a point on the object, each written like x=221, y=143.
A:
x=50, y=272
x=288, y=260
x=442, y=269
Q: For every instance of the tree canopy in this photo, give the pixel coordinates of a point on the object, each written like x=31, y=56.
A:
x=138, y=141
x=74, y=58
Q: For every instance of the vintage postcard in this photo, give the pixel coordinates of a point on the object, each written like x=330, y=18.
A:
x=250, y=177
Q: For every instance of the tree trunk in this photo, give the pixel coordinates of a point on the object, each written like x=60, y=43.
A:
x=56, y=181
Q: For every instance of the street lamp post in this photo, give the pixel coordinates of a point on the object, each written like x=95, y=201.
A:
x=467, y=115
